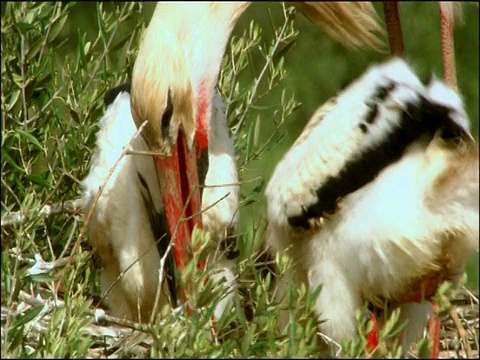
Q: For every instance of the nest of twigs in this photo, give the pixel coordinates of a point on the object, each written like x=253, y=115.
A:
x=113, y=337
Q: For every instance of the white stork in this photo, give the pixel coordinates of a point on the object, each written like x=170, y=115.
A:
x=377, y=199
x=172, y=90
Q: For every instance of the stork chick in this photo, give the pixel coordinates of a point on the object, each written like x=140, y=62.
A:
x=129, y=218
x=377, y=199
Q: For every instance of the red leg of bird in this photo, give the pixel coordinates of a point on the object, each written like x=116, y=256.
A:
x=397, y=48
x=448, y=49
x=434, y=332
x=450, y=75
x=394, y=27
x=372, y=337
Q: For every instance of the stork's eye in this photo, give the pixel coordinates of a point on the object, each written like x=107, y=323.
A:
x=167, y=114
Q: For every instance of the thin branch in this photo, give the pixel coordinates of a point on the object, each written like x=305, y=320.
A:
x=98, y=314
x=106, y=49
x=269, y=60
x=22, y=72
x=461, y=331
x=160, y=281
x=69, y=206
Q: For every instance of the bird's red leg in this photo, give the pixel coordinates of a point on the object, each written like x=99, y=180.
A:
x=372, y=337
x=434, y=332
x=450, y=75
x=397, y=48
x=394, y=27
x=448, y=49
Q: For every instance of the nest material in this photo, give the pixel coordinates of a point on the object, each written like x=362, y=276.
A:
x=113, y=338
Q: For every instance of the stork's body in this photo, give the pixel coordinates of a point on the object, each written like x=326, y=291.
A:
x=129, y=217
x=377, y=198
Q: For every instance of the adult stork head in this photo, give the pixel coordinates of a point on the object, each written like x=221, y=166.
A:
x=174, y=78
x=172, y=86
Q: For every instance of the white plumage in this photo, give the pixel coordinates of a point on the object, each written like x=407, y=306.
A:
x=121, y=228
x=379, y=194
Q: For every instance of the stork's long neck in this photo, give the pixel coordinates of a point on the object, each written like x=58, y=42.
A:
x=182, y=52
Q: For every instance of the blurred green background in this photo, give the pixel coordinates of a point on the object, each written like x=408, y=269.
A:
x=318, y=67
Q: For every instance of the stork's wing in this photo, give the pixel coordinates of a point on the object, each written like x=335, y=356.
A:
x=354, y=137
x=353, y=24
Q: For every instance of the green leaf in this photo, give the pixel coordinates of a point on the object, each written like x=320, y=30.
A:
x=283, y=51
x=35, y=48
x=30, y=138
x=27, y=316
x=39, y=180
x=11, y=161
x=23, y=27
x=56, y=28
x=424, y=348
x=14, y=98
x=42, y=278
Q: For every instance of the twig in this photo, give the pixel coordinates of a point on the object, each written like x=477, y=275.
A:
x=122, y=273
x=69, y=206
x=160, y=281
x=471, y=295
x=330, y=341
x=269, y=59
x=105, y=51
x=461, y=331
x=69, y=240
x=205, y=209
x=98, y=315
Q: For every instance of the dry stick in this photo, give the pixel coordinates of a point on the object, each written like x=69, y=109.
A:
x=69, y=240
x=471, y=295
x=92, y=208
x=160, y=279
x=461, y=330
x=448, y=54
x=182, y=220
x=163, y=259
x=69, y=206
x=46, y=210
x=38, y=301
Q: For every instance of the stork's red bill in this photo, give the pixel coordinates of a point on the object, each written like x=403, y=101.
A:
x=377, y=196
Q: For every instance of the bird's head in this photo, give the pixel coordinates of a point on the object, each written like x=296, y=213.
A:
x=177, y=69
x=173, y=83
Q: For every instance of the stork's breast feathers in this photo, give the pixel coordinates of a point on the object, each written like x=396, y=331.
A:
x=357, y=135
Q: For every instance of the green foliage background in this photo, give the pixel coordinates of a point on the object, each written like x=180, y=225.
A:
x=54, y=76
